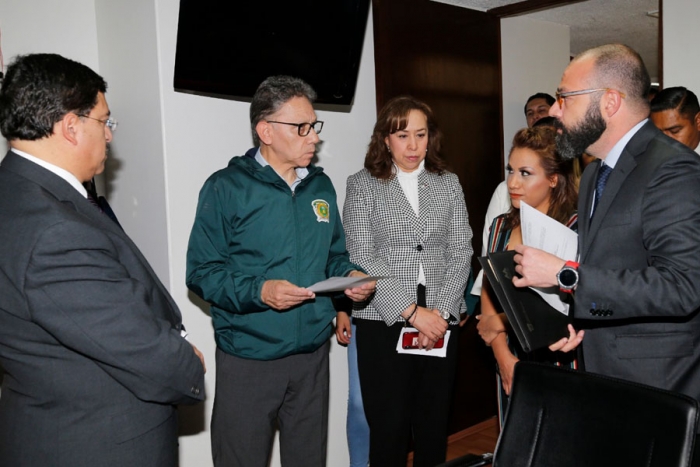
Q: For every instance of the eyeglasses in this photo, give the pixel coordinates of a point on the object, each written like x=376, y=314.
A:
x=560, y=96
x=109, y=123
x=303, y=128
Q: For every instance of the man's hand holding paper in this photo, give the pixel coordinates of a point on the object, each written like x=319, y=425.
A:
x=551, y=241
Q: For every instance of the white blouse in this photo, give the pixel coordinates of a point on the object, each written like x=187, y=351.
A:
x=409, y=184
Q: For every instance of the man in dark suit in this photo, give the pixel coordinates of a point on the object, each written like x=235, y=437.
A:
x=637, y=285
x=90, y=340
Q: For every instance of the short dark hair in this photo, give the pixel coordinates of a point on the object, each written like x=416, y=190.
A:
x=564, y=196
x=272, y=94
x=393, y=117
x=546, y=121
x=540, y=95
x=40, y=89
x=676, y=98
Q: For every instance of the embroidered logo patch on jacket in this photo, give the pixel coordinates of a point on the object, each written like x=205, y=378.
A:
x=321, y=209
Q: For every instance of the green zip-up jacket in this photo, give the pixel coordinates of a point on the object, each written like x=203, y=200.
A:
x=250, y=227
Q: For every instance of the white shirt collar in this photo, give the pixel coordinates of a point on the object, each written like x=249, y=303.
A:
x=64, y=174
x=301, y=172
x=615, y=153
x=400, y=174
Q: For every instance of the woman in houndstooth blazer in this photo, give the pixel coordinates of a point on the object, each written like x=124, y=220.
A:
x=405, y=219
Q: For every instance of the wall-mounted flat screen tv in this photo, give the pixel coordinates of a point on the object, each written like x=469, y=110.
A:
x=228, y=48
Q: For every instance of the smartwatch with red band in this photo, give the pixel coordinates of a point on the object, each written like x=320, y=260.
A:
x=567, y=277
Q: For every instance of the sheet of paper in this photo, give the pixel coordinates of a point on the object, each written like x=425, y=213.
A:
x=441, y=352
x=338, y=284
x=541, y=231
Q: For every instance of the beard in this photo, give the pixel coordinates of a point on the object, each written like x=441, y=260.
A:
x=573, y=142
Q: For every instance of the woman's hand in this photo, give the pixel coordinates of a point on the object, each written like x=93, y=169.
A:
x=567, y=344
x=424, y=342
x=506, y=367
x=343, y=329
x=429, y=323
x=490, y=326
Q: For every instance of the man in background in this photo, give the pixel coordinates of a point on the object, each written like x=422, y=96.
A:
x=90, y=340
x=676, y=112
x=537, y=106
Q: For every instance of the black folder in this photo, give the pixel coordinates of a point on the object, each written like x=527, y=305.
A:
x=535, y=323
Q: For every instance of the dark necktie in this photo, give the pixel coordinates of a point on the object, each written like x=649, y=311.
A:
x=603, y=175
x=103, y=206
x=94, y=202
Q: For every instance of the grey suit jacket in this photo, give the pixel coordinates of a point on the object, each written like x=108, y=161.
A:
x=89, y=337
x=385, y=237
x=639, y=289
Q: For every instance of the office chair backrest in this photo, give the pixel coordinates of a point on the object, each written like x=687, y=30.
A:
x=564, y=418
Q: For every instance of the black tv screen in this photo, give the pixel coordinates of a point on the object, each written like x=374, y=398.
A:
x=229, y=47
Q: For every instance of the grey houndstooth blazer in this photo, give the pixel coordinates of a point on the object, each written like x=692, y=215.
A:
x=386, y=238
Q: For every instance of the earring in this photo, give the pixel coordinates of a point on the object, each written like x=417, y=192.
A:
x=388, y=148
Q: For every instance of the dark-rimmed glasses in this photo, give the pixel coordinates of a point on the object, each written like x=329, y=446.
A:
x=303, y=128
x=560, y=96
x=109, y=123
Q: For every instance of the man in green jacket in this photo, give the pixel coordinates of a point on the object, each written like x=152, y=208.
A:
x=267, y=227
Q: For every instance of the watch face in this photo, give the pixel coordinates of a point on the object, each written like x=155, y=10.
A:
x=445, y=315
x=568, y=277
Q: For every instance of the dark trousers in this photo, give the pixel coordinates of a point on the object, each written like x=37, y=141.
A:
x=404, y=395
x=253, y=397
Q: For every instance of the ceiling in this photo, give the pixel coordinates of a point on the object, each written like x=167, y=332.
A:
x=595, y=22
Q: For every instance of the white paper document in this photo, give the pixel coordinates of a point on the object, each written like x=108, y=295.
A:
x=541, y=231
x=338, y=284
x=441, y=352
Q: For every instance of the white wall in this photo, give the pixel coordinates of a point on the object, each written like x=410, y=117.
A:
x=681, y=34
x=134, y=176
x=30, y=26
x=534, y=54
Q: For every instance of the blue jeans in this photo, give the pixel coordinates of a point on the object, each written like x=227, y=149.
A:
x=357, y=428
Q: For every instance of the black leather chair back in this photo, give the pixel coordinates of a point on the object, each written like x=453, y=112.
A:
x=564, y=418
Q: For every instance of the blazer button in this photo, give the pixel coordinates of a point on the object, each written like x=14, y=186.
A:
x=195, y=390
x=419, y=248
